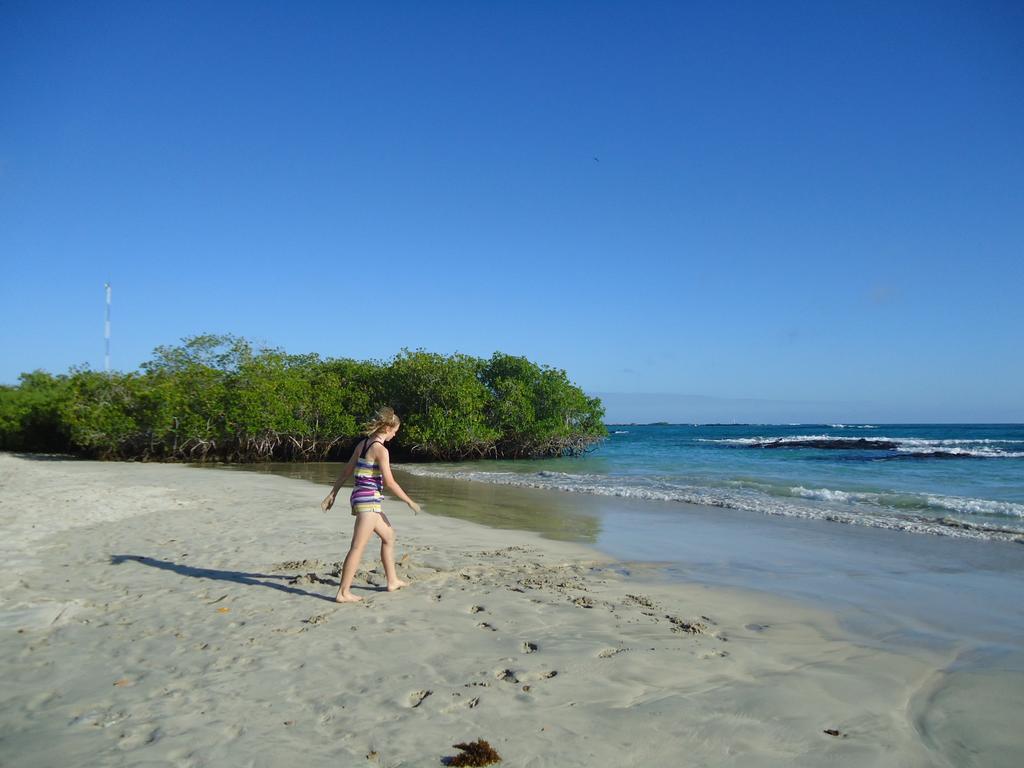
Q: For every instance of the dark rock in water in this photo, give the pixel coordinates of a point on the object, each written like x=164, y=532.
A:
x=941, y=455
x=860, y=444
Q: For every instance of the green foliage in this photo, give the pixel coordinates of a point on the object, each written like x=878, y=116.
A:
x=218, y=397
x=30, y=414
x=537, y=410
x=100, y=413
x=445, y=404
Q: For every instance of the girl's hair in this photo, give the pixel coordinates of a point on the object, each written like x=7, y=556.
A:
x=385, y=418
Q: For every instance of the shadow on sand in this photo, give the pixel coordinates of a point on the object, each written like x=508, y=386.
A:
x=238, y=577
x=47, y=456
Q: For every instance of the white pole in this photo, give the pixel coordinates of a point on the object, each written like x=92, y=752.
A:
x=106, y=330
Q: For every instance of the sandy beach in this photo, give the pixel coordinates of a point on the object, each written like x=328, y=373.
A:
x=161, y=615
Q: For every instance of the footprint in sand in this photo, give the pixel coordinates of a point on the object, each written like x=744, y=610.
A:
x=40, y=701
x=485, y=625
x=297, y=565
x=641, y=600
x=99, y=719
x=607, y=653
x=529, y=647
x=139, y=737
x=472, y=703
x=415, y=699
x=715, y=655
x=511, y=676
x=688, y=627
x=476, y=609
x=307, y=578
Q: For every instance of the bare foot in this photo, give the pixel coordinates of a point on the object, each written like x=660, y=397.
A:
x=397, y=584
x=347, y=598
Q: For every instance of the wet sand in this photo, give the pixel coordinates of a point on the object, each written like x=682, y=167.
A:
x=160, y=614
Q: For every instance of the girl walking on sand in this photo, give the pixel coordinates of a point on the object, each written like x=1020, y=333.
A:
x=372, y=468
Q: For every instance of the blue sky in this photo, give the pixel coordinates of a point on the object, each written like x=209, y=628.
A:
x=793, y=203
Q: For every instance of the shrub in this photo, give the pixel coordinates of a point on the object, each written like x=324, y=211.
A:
x=216, y=397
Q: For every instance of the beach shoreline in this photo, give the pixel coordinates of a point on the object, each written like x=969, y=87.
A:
x=156, y=613
x=886, y=586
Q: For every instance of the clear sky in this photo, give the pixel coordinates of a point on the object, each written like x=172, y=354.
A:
x=800, y=202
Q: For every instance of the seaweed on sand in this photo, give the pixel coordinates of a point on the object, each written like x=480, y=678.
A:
x=478, y=752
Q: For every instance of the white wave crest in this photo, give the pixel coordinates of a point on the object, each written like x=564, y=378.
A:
x=827, y=494
x=977, y=448
x=781, y=440
x=977, y=506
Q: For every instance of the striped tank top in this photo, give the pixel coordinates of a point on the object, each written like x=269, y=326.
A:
x=369, y=484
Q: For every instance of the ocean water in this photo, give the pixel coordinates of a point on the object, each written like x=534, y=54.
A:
x=957, y=480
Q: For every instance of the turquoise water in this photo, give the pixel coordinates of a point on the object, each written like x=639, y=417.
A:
x=961, y=480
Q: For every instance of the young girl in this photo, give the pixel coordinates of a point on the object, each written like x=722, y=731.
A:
x=372, y=469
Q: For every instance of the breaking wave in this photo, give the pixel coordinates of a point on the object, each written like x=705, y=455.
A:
x=896, y=447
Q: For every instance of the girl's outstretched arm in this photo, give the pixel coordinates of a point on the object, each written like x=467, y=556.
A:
x=346, y=473
x=391, y=484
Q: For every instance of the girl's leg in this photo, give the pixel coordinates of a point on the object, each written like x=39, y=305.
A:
x=361, y=533
x=387, y=553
